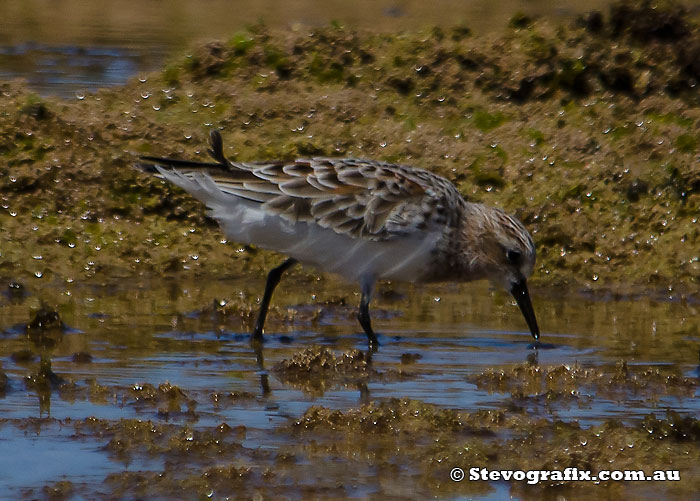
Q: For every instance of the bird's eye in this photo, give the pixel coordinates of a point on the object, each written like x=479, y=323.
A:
x=513, y=256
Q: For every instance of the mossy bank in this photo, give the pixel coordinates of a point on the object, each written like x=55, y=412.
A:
x=587, y=132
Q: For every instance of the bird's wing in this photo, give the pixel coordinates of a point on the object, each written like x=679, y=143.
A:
x=355, y=197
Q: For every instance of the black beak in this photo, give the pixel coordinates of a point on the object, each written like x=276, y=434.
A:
x=522, y=297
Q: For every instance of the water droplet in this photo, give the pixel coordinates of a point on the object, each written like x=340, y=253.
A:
x=145, y=95
x=38, y=257
x=38, y=274
x=383, y=144
x=80, y=96
x=143, y=79
x=156, y=107
x=71, y=244
x=188, y=136
x=595, y=278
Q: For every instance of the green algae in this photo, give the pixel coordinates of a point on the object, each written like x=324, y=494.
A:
x=585, y=132
x=434, y=440
x=68, y=164
x=317, y=360
x=523, y=380
x=486, y=122
x=60, y=490
x=166, y=398
x=424, y=439
x=317, y=369
x=381, y=437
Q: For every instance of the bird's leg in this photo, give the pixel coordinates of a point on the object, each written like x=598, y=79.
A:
x=273, y=278
x=363, y=314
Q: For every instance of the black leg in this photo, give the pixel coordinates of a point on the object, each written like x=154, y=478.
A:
x=273, y=278
x=365, y=322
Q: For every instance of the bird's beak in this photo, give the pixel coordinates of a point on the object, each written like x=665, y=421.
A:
x=522, y=297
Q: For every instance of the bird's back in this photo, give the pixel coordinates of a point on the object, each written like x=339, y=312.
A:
x=349, y=216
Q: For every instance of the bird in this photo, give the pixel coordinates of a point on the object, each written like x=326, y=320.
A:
x=365, y=220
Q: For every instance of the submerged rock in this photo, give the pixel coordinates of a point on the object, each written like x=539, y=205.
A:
x=319, y=360
x=316, y=369
x=46, y=328
x=45, y=319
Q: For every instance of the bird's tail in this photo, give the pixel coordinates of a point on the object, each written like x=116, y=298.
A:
x=217, y=184
x=155, y=165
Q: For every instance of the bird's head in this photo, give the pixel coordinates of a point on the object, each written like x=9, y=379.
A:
x=501, y=250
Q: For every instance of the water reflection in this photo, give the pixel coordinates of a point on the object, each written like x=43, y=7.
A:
x=71, y=70
x=159, y=352
x=43, y=333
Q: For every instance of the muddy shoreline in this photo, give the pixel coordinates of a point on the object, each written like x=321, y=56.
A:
x=587, y=132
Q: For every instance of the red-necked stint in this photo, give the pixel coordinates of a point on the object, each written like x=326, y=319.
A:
x=362, y=219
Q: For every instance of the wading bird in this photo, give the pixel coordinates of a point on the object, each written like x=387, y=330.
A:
x=362, y=219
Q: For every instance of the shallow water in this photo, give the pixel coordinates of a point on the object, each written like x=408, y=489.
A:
x=437, y=338
x=69, y=48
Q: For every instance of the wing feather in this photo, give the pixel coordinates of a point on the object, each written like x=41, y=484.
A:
x=360, y=198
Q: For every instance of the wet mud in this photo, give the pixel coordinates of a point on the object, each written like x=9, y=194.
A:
x=126, y=313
